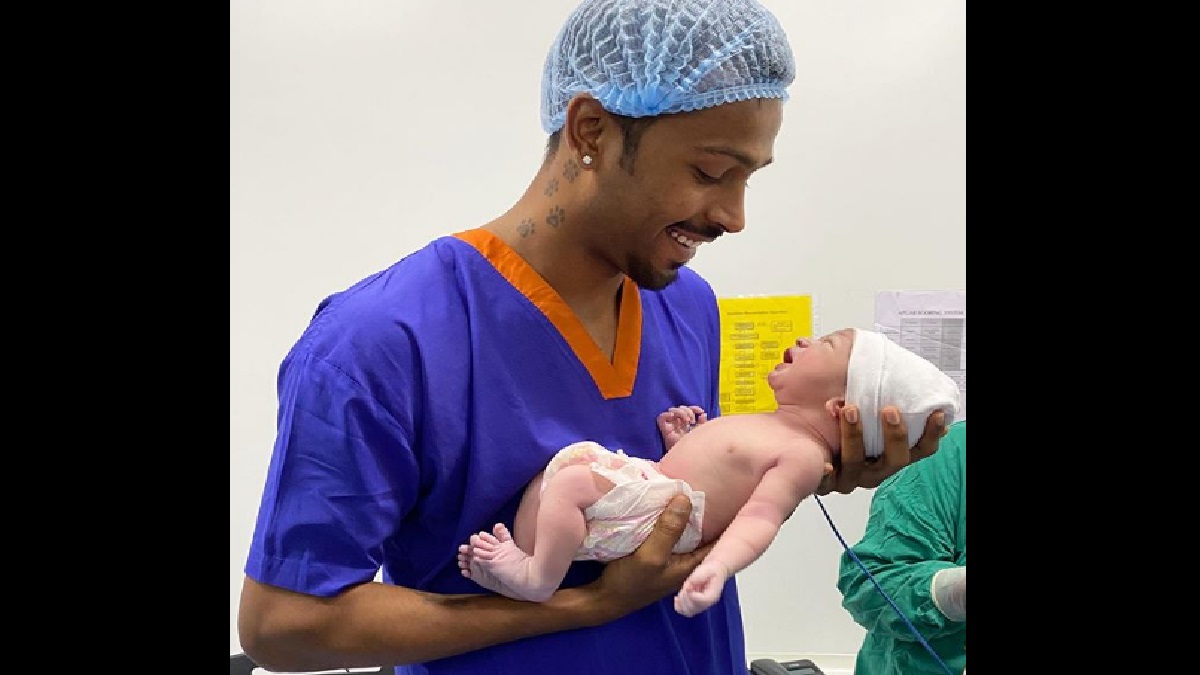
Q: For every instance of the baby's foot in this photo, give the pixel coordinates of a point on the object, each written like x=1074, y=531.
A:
x=498, y=564
x=471, y=566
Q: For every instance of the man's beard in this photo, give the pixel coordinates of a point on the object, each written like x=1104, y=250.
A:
x=649, y=278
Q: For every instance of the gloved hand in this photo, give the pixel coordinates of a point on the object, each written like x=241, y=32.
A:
x=949, y=588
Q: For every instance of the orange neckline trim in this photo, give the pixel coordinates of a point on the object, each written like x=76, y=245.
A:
x=614, y=379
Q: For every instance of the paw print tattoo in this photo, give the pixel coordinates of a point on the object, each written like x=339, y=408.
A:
x=556, y=217
x=552, y=187
x=526, y=227
x=571, y=171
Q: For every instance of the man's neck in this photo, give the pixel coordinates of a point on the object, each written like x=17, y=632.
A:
x=546, y=227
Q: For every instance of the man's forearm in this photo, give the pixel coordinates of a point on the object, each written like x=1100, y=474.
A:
x=382, y=625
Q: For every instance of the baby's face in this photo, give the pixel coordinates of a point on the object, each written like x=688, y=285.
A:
x=813, y=371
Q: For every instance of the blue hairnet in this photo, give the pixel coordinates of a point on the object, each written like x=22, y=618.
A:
x=652, y=57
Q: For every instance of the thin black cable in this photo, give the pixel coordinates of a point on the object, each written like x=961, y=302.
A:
x=920, y=638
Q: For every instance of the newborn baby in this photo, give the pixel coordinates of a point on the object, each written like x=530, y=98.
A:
x=744, y=474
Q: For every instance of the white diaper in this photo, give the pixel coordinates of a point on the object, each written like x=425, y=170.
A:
x=622, y=519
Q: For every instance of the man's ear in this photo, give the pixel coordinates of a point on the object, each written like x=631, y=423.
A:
x=588, y=125
x=834, y=406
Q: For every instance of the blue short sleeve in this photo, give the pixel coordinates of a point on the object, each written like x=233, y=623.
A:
x=341, y=478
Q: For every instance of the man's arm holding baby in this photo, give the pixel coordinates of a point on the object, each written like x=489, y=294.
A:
x=793, y=477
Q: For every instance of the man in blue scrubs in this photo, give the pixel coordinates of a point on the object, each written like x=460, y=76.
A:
x=420, y=401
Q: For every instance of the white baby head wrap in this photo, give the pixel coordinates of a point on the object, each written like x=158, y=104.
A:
x=883, y=373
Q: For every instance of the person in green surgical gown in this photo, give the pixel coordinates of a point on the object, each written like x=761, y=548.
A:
x=915, y=545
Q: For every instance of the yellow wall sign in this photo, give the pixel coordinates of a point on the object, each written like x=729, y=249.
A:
x=754, y=333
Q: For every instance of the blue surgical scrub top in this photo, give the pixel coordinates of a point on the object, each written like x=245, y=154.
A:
x=420, y=401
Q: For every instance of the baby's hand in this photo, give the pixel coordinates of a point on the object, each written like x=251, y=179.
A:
x=679, y=420
x=702, y=588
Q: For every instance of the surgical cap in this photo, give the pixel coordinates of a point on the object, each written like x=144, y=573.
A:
x=651, y=57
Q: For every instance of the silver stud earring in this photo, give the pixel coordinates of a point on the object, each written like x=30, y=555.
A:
x=587, y=160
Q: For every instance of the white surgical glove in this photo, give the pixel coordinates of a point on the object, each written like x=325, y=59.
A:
x=949, y=589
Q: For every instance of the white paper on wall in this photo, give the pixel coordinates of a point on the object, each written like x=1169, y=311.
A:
x=932, y=324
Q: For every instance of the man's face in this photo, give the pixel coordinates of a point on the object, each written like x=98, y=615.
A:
x=813, y=371
x=686, y=189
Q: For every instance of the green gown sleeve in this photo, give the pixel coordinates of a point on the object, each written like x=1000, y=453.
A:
x=916, y=526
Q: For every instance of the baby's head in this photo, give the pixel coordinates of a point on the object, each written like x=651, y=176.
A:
x=870, y=371
x=882, y=373
x=812, y=373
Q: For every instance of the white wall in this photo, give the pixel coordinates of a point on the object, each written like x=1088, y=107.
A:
x=361, y=129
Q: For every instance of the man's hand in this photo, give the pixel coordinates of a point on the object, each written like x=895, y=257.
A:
x=854, y=471
x=652, y=571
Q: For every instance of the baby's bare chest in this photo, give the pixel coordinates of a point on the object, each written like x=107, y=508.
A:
x=726, y=454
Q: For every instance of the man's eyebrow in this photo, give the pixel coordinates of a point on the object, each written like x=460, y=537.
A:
x=742, y=158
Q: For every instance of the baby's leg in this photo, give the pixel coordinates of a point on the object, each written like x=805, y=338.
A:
x=524, y=526
x=561, y=528
x=525, y=522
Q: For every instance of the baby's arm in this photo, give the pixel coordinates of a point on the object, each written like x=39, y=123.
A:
x=782, y=488
x=679, y=420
